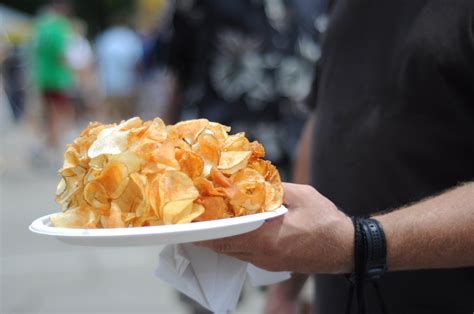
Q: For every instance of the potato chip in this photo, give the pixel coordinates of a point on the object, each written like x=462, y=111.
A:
x=206, y=188
x=137, y=174
x=189, y=130
x=220, y=179
x=153, y=193
x=129, y=159
x=96, y=195
x=218, y=130
x=91, y=175
x=250, y=191
x=231, y=162
x=257, y=150
x=71, y=158
x=174, y=209
x=157, y=131
x=272, y=198
x=67, y=187
x=190, y=163
x=165, y=156
x=134, y=198
x=207, y=147
x=75, y=218
x=131, y=123
x=215, y=207
x=191, y=212
x=110, y=141
x=115, y=217
x=98, y=162
x=236, y=142
x=114, y=178
x=145, y=150
x=176, y=192
x=61, y=187
x=246, y=175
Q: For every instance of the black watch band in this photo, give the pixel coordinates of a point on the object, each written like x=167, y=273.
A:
x=375, y=247
x=370, y=255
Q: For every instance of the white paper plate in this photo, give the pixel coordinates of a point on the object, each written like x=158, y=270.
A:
x=158, y=235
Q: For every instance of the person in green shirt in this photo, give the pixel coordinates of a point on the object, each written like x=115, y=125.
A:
x=51, y=72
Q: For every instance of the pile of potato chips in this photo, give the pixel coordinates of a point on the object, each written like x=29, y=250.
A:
x=145, y=174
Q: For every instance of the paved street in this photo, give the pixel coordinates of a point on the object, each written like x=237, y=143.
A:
x=42, y=275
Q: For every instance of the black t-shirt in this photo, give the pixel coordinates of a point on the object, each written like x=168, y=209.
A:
x=395, y=124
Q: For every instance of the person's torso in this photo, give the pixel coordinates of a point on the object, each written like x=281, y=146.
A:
x=119, y=51
x=395, y=124
x=50, y=44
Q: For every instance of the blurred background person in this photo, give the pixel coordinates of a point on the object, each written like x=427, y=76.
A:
x=51, y=71
x=14, y=81
x=15, y=27
x=154, y=27
x=119, y=50
x=247, y=64
x=80, y=58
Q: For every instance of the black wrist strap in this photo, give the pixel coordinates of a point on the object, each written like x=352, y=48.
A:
x=376, y=248
x=370, y=253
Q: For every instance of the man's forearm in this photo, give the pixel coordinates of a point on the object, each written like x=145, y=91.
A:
x=434, y=233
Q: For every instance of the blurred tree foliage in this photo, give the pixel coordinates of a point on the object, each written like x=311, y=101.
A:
x=96, y=14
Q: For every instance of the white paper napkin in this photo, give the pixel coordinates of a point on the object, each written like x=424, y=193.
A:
x=213, y=280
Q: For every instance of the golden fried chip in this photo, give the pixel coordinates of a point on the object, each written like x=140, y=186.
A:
x=75, y=218
x=67, y=187
x=246, y=175
x=114, y=219
x=250, y=193
x=176, y=191
x=163, y=158
x=96, y=195
x=174, y=209
x=91, y=175
x=220, y=179
x=191, y=212
x=110, y=141
x=153, y=193
x=206, y=188
x=61, y=187
x=257, y=150
x=145, y=149
x=231, y=162
x=215, y=208
x=71, y=158
x=236, y=142
x=98, y=162
x=207, y=147
x=189, y=130
x=129, y=159
x=114, y=178
x=273, y=199
x=134, y=199
x=260, y=165
x=157, y=131
x=190, y=163
x=131, y=123
x=218, y=130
